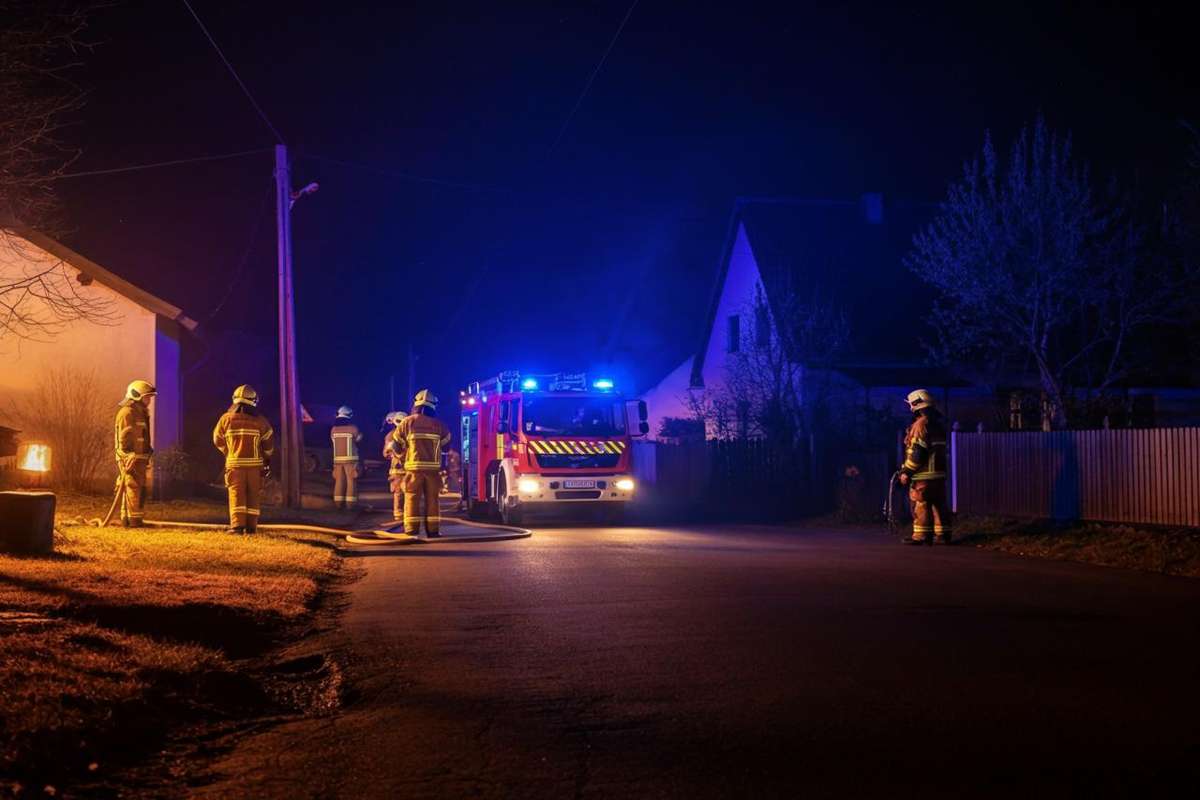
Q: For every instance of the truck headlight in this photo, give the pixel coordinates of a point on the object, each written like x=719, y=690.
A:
x=624, y=484
x=527, y=486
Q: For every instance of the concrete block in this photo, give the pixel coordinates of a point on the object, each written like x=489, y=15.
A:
x=27, y=522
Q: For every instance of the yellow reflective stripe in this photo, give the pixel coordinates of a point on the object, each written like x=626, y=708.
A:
x=620, y=446
x=928, y=476
x=344, y=459
x=918, y=443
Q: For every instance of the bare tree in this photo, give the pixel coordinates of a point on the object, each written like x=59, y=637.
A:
x=69, y=412
x=1035, y=268
x=39, y=40
x=774, y=383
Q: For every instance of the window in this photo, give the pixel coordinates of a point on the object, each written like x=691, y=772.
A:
x=762, y=327
x=571, y=416
x=733, y=342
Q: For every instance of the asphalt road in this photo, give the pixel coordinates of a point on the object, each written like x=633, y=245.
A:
x=745, y=662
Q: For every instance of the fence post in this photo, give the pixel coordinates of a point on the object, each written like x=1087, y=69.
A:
x=954, y=471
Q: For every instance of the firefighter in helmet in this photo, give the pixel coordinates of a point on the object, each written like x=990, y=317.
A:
x=422, y=437
x=247, y=441
x=395, y=459
x=924, y=471
x=132, y=444
x=345, y=437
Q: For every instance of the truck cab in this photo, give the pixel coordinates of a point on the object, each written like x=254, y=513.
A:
x=546, y=442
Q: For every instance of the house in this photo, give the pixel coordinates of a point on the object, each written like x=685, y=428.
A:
x=128, y=334
x=850, y=251
x=853, y=251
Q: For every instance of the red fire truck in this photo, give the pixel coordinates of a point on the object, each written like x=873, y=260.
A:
x=546, y=442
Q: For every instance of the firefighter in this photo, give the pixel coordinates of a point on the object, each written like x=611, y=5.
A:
x=247, y=441
x=132, y=444
x=924, y=471
x=345, y=436
x=395, y=459
x=421, y=437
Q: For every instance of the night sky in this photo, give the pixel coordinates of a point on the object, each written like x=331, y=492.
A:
x=522, y=253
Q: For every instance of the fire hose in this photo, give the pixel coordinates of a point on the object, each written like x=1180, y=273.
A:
x=118, y=496
x=889, y=507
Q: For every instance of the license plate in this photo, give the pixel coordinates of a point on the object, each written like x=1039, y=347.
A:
x=578, y=483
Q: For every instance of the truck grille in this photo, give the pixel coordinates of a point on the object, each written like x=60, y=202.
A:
x=560, y=461
x=585, y=494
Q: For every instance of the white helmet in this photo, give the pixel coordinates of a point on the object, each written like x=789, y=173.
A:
x=346, y=411
x=394, y=417
x=140, y=389
x=245, y=394
x=919, y=399
x=425, y=398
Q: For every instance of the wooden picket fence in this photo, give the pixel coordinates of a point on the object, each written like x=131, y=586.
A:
x=1147, y=476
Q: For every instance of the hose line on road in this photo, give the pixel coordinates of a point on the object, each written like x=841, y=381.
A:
x=370, y=536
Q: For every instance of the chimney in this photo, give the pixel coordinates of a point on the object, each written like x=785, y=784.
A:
x=872, y=208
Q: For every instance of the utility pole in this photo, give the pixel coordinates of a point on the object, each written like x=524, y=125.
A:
x=291, y=439
x=412, y=374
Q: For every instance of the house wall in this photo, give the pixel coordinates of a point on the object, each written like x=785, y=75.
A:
x=737, y=297
x=668, y=398
x=168, y=379
x=115, y=352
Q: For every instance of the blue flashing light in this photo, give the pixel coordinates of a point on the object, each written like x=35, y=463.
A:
x=603, y=384
x=529, y=384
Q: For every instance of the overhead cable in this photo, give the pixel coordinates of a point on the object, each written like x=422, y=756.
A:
x=234, y=73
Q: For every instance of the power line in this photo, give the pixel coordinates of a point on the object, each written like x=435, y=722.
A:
x=234, y=73
x=592, y=77
x=157, y=164
x=390, y=173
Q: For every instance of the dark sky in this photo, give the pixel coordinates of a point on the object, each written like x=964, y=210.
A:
x=604, y=247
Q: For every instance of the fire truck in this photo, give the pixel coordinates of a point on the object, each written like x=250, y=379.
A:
x=547, y=442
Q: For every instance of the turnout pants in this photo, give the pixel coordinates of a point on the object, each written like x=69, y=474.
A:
x=245, y=487
x=345, y=483
x=131, y=479
x=396, y=484
x=930, y=513
x=421, y=490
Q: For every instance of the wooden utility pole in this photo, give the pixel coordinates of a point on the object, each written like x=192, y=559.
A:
x=412, y=375
x=291, y=438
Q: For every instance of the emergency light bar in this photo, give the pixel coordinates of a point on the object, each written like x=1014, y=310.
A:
x=603, y=384
x=529, y=384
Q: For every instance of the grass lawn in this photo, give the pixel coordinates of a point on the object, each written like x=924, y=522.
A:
x=121, y=632
x=1170, y=551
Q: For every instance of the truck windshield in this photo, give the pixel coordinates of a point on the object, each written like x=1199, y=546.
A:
x=573, y=416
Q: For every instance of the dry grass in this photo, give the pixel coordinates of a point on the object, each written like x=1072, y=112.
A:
x=202, y=510
x=1169, y=551
x=93, y=638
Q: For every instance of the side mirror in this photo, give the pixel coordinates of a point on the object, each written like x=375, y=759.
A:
x=642, y=413
x=644, y=427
